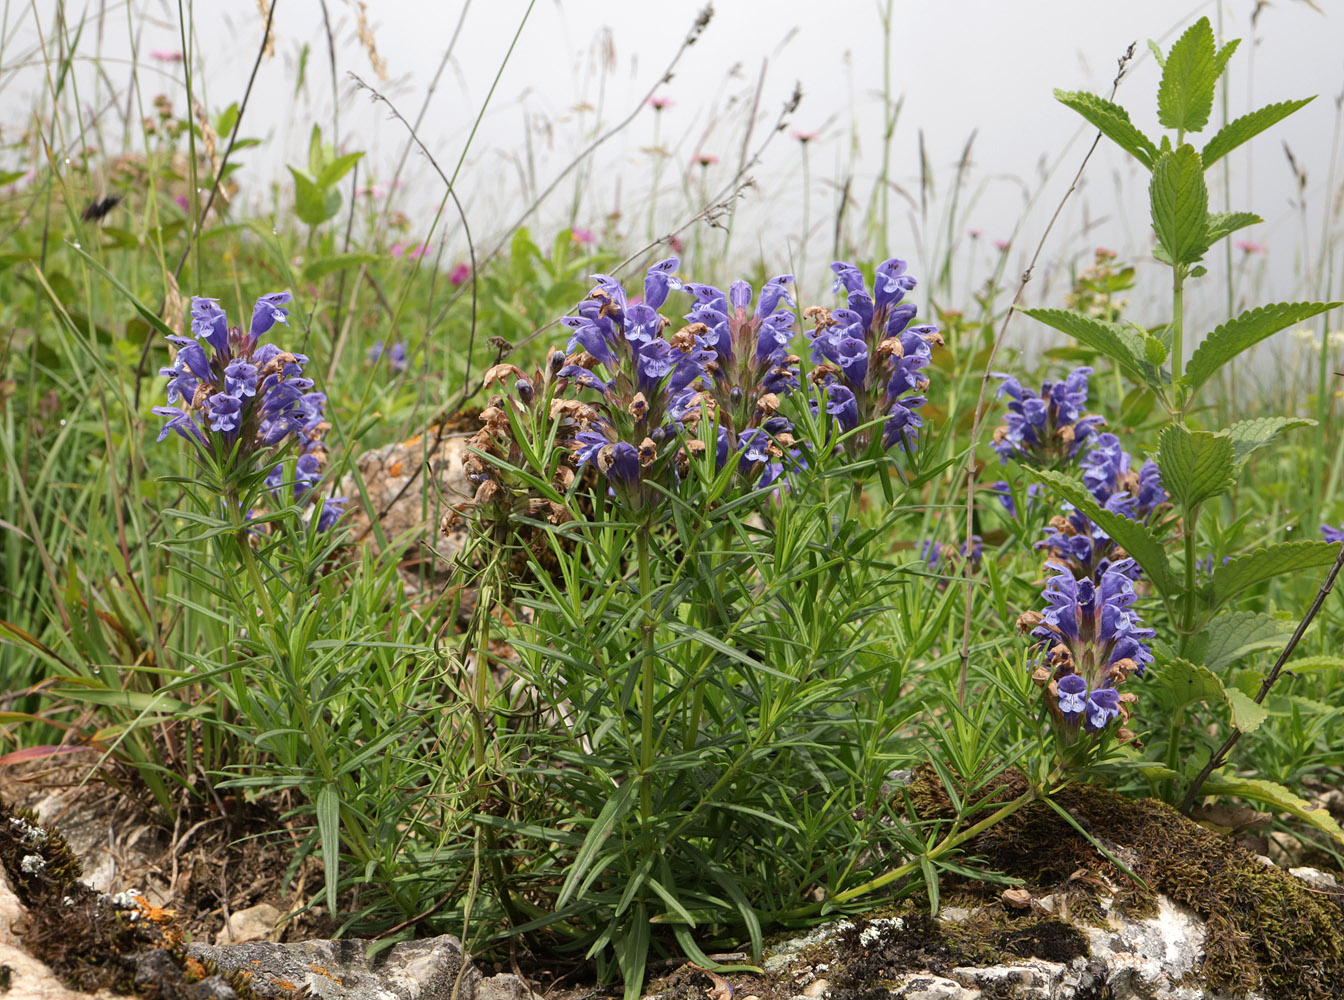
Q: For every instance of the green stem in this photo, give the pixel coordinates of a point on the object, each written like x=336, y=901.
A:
x=1177, y=323
x=646, y=668
x=1188, y=617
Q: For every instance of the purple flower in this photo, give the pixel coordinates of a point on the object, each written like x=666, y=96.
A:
x=1108, y=477
x=242, y=399
x=1091, y=641
x=225, y=412
x=1046, y=429
x=870, y=349
x=240, y=378
x=397, y=358
x=1071, y=692
x=748, y=365
x=333, y=509
x=1005, y=495
x=648, y=383
x=1333, y=534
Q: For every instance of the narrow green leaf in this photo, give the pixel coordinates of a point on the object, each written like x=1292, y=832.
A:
x=1235, y=634
x=1248, y=435
x=1222, y=224
x=1273, y=794
x=1157, y=52
x=145, y=312
x=1133, y=536
x=1122, y=345
x=1247, y=127
x=1196, y=465
x=1247, y=330
x=1185, y=96
x=328, y=807
x=1246, y=714
x=1180, y=205
x=1264, y=564
x=605, y=822
x=1113, y=122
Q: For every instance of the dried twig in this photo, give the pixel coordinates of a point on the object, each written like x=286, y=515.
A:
x=1271, y=678
x=965, y=653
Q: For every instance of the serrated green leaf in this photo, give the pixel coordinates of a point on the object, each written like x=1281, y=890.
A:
x=1247, y=127
x=1185, y=95
x=1273, y=794
x=1247, y=330
x=1224, y=54
x=1307, y=664
x=1196, y=465
x=1182, y=683
x=1235, y=634
x=1264, y=564
x=1225, y=223
x=1113, y=122
x=1246, y=714
x=337, y=262
x=1180, y=205
x=337, y=168
x=1122, y=345
x=1248, y=435
x=1132, y=536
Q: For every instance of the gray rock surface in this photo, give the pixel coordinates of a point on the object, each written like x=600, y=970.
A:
x=340, y=970
x=410, y=486
x=1154, y=958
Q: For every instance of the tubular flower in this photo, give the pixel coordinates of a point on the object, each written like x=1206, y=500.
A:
x=237, y=399
x=750, y=370
x=646, y=383
x=1075, y=540
x=1331, y=534
x=397, y=358
x=1048, y=429
x=1091, y=643
x=869, y=358
x=1108, y=477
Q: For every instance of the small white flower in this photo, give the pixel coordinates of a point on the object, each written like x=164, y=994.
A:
x=32, y=864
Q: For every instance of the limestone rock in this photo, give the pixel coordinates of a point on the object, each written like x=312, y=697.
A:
x=340, y=970
x=256, y=923
x=410, y=486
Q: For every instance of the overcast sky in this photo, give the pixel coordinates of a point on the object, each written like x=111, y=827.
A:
x=960, y=67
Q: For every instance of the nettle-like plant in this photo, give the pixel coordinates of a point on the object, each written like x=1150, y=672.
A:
x=1209, y=626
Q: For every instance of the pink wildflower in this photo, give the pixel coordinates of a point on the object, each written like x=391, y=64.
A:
x=459, y=275
x=1248, y=247
x=166, y=55
x=1001, y=245
x=802, y=136
x=660, y=101
x=583, y=237
x=705, y=159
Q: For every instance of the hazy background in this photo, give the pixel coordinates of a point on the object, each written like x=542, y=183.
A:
x=959, y=68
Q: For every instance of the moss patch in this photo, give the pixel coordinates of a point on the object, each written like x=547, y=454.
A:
x=84, y=937
x=1267, y=930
